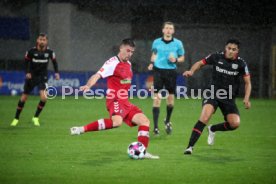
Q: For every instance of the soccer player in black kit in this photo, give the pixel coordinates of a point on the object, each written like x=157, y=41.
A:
x=227, y=70
x=37, y=60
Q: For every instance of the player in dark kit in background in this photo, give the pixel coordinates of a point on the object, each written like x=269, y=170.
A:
x=37, y=60
x=227, y=69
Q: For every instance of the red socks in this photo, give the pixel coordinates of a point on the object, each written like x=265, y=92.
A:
x=104, y=124
x=143, y=135
x=101, y=124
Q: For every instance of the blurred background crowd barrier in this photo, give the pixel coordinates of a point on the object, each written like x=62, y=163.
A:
x=84, y=34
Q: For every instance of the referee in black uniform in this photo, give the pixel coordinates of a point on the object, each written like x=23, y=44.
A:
x=227, y=70
x=37, y=59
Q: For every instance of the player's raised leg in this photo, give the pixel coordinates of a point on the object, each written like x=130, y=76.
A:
x=143, y=132
x=205, y=116
x=232, y=123
x=101, y=124
x=19, y=108
x=40, y=106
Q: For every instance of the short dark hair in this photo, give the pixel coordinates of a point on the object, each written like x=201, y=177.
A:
x=128, y=41
x=43, y=35
x=233, y=41
x=168, y=23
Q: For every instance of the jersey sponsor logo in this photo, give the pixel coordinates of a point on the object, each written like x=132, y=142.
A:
x=221, y=70
x=40, y=60
x=234, y=66
x=125, y=81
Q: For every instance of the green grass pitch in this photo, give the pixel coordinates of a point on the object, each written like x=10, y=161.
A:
x=49, y=154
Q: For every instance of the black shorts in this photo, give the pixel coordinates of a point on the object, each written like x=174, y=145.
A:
x=227, y=106
x=164, y=79
x=39, y=81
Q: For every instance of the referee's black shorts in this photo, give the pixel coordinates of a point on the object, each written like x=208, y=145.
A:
x=227, y=106
x=37, y=80
x=164, y=79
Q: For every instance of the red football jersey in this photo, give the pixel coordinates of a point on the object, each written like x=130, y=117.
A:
x=119, y=75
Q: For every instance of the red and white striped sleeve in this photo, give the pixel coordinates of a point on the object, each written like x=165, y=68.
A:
x=109, y=67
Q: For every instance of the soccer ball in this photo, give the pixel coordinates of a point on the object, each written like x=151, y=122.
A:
x=13, y=92
x=136, y=150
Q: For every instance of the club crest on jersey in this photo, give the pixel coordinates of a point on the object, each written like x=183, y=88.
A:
x=46, y=55
x=36, y=55
x=234, y=66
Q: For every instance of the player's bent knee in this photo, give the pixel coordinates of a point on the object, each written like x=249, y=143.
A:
x=117, y=123
x=204, y=119
x=43, y=98
x=234, y=125
x=170, y=101
x=146, y=122
x=24, y=98
x=156, y=99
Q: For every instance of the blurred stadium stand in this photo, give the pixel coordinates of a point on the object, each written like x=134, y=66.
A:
x=85, y=33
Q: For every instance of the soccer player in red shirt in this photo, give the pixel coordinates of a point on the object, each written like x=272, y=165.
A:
x=118, y=72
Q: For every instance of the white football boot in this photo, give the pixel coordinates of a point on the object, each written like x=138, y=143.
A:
x=150, y=156
x=76, y=130
x=211, y=136
x=188, y=151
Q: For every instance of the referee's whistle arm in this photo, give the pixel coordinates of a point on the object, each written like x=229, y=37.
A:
x=150, y=66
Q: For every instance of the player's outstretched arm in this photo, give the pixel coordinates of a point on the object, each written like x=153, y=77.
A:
x=91, y=82
x=247, y=89
x=194, y=68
